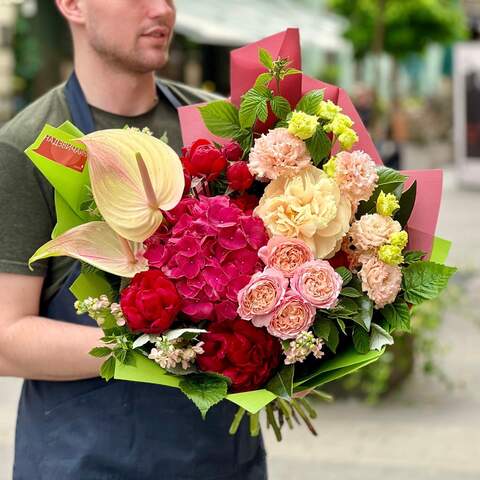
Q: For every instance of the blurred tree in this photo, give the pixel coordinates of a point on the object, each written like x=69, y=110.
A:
x=400, y=27
x=41, y=44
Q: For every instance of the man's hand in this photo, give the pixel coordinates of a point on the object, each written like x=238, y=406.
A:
x=39, y=348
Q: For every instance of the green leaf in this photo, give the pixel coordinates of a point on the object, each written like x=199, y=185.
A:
x=407, y=202
x=265, y=58
x=245, y=139
x=322, y=327
x=280, y=107
x=130, y=359
x=350, y=292
x=310, y=102
x=425, y=280
x=292, y=71
x=346, y=275
x=341, y=325
x=263, y=80
x=253, y=106
x=388, y=181
x=221, y=118
x=333, y=338
x=365, y=312
x=347, y=305
x=397, y=315
x=413, y=256
x=282, y=383
x=107, y=370
x=361, y=340
x=100, y=352
x=379, y=338
x=204, y=390
x=120, y=355
x=319, y=146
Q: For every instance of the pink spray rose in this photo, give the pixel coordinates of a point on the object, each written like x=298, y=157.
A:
x=285, y=254
x=258, y=299
x=293, y=316
x=317, y=283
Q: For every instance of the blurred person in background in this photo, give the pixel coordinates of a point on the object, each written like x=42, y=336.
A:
x=71, y=424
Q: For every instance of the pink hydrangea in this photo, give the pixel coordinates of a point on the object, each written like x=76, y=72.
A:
x=317, y=283
x=356, y=175
x=293, y=316
x=278, y=153
x=261, y=295
x=210, y=253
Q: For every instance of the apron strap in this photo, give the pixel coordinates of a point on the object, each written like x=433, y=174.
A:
x=80, y=110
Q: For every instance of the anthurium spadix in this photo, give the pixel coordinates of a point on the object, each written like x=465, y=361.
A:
x=134, y=176
x=97, y=244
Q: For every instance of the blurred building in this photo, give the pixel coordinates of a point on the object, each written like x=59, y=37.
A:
x=7, y=60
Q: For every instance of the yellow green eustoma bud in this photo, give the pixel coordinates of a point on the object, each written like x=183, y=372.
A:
x=348, y=138
x=329, y=167
x=399, y=239
x=327, y=110
x=387, y=204
x=390, y=254
x=339, y=124
x=302, y=125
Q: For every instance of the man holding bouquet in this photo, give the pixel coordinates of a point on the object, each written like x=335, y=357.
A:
x=71, y=424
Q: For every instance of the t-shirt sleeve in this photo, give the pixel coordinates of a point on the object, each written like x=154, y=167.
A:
x=26, y=212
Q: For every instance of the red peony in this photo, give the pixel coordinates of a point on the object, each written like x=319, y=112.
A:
x=239, y=177
x=232, y=151
x=150, y=303
x=246, y=354
x=203, y=159
x=188, y=181
x=246, y=202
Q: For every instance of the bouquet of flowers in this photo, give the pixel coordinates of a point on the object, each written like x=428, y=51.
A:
x=276, y=255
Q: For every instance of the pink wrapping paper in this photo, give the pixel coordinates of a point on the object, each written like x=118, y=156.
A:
x=244, y=70
x=424, y=218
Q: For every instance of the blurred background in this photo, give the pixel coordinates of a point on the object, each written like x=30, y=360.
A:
x=413, y=70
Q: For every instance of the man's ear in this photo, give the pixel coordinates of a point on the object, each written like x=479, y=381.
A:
x=72, y=10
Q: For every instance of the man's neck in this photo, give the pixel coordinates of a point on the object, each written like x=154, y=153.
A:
x=114, y=90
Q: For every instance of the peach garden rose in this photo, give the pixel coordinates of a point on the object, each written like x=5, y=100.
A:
x=261, y=295
x=293, y=316
x=285, y=254
x=317, y=283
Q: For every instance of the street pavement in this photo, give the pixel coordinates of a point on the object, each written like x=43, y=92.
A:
x=421, y=432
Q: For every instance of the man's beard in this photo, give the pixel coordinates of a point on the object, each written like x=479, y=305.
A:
x=132, y=61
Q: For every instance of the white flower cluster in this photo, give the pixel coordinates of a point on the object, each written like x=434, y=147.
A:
x=145, y=130
x=302, y=346
x=99, y=309
x=169, y=353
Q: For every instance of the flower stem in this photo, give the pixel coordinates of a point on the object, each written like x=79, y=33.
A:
x=236, y=421
x=147, y=182
x=254, y=425
x=296, y=406
x=273, y=422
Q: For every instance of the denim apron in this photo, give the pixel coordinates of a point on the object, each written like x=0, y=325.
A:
x=94, y=430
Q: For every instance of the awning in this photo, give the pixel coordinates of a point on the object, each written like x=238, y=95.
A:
x=238, y=22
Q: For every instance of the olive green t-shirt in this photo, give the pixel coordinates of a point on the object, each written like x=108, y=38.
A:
x=27, y=209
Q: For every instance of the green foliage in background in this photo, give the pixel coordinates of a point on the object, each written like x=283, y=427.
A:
x=401, y=27
x=374, y=381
